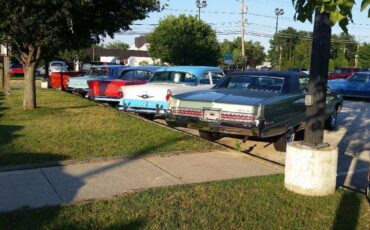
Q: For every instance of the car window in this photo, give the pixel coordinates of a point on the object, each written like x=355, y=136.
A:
x=204, y=79
x=128, y=75
x=359, y=77
x=56, y=64
x=174, y=77
x=99, y=71
x=303, y=83
x=217, y=76
x=143, y=75
x=259, y=83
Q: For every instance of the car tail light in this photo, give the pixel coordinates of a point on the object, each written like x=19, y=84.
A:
x=237, y=116
x=168, y=95
x=188, y=112
x=120, y=93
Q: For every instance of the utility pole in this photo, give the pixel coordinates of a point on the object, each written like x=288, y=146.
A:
x=356, y=56
x=243, y=11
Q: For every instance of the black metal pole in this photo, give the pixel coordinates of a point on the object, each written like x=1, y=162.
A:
x=315, y=113
x=199, y=13
x=274, y=62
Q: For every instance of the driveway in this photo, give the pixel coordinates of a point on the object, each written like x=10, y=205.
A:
x=352, y=136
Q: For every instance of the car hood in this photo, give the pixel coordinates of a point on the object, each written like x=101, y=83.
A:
x=227, y=96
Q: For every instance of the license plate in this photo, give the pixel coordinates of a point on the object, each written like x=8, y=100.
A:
x=211, y=115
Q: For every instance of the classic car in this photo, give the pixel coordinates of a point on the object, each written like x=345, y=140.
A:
x=17, y=70
x=57, y=66
x=358, y=85
x=79, y=84
x=251, y=104
x=60, y=79
x=110, y=89
x=152, y=98
x=342, y=73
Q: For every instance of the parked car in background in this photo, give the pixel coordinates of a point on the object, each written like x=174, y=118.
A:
x=342, y=73
x=358, y=85
x=57, y=66
x=79, y=84
x=152, y=98
x=304, y=70
x=251, y=104
x=41, y=70
x=60, y=79
x=16, y=69
x=108, y=89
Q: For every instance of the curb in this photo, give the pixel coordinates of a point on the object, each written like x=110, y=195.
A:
x=95, y=160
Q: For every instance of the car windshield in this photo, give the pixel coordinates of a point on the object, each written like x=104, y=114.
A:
x=360, y=77
x=99, y=72
x=174, y=77
x=250, y=82
x=56, y=64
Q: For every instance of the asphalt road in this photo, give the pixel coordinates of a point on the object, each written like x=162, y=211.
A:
x=352, y=136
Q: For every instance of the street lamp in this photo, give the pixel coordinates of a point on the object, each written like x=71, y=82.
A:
x=278, y=12
x=200, y=4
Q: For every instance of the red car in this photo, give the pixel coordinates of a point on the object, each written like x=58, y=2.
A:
x=16, y=69
x=108, y=89
x=342, y=73
x=60, y=79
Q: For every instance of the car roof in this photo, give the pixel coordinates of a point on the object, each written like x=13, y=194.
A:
x=109, y=66
x=195, y=70
x=146, y=68
x=363, y=72
x=284, y=74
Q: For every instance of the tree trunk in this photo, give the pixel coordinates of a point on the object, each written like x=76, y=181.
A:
x=6, y=76
x=30, y=60
x=29, y=99
x=315, y=114
x=1, y=73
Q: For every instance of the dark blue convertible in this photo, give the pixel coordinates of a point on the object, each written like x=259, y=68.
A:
x=358, y=85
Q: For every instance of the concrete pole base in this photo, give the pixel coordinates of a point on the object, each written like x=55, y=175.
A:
x=311, y=172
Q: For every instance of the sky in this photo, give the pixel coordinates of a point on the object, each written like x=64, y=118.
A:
x=224, y=17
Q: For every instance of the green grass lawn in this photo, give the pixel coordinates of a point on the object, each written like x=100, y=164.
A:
x=251, y=203
x=68, y=127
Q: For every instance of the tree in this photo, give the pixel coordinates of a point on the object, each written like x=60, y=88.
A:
x=327, y=13
x=302, y=53
x=254, y=52
x=32, y=27
x=117, y=45
x=184, y=40
x=364, y=55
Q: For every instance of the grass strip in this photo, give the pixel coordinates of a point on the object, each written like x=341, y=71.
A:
x=251, y=203
x=68, y=127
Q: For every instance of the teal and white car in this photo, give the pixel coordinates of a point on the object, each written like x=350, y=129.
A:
x=152, y=98
x=79, y=84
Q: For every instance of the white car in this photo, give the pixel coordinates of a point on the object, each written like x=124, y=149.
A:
x=57, y=66
x=152, y=98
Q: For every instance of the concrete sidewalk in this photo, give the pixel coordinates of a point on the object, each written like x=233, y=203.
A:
x=66, y=184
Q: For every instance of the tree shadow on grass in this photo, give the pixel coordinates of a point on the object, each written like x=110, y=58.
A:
x=67, y=187
x=348, y=211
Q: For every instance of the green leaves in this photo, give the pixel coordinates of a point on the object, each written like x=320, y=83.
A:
x=364, y=5
x=340, y=10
